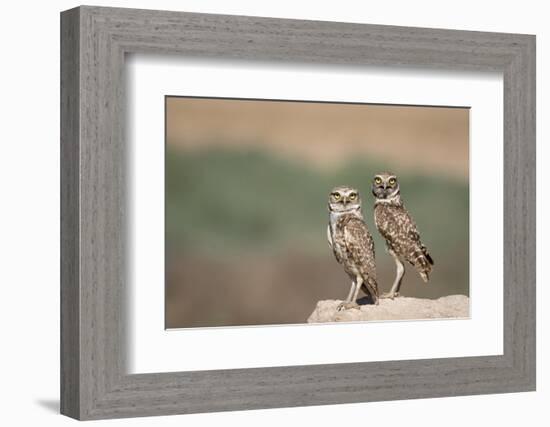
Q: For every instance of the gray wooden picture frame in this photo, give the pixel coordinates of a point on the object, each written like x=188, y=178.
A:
x=94, y=41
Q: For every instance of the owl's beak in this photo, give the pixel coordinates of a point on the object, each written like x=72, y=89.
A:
x=381, y=191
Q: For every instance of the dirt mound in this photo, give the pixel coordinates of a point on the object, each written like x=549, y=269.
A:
x=401, y=308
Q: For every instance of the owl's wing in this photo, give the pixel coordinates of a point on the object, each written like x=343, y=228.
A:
x=396, y=225
x=360, y=249
x=329, y=236
x=401, y=233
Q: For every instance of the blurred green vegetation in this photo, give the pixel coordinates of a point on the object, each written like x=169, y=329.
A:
x=237, y=200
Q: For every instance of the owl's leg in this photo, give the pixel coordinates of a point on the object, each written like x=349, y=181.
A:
x=394, y=291
x=358, y=284
x=349, y=303
x=351, y=290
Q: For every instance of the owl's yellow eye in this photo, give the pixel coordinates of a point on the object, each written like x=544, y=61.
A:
x=378, y=180
x=353, y=196
x=392, y=181
x=336, y=196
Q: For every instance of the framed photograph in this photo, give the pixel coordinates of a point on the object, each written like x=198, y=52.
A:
x=262, y=213
x=247, y=184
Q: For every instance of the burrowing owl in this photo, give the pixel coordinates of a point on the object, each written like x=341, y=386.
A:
x=352, y=244
x=398, y=228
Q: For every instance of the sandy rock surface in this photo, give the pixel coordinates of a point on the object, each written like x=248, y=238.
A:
x=400, y=308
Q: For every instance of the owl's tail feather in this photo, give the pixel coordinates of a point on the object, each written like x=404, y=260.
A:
x=428, y=257
x=370, y=287
x=423, y=263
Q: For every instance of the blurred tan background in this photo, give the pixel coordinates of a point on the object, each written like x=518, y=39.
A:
x=246, y=189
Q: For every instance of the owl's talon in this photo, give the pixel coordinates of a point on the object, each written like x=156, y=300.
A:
x=390, y=295
x=347, y=306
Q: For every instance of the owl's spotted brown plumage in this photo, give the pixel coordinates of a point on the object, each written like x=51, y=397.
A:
x=399, y=230
x=352, y=244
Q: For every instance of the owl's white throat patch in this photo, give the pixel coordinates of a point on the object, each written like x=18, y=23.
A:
x=338, y=213
x=335, y=215
x=392, y=200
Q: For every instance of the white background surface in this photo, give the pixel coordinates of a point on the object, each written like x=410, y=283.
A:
x=153, y=349
x=29, y=218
